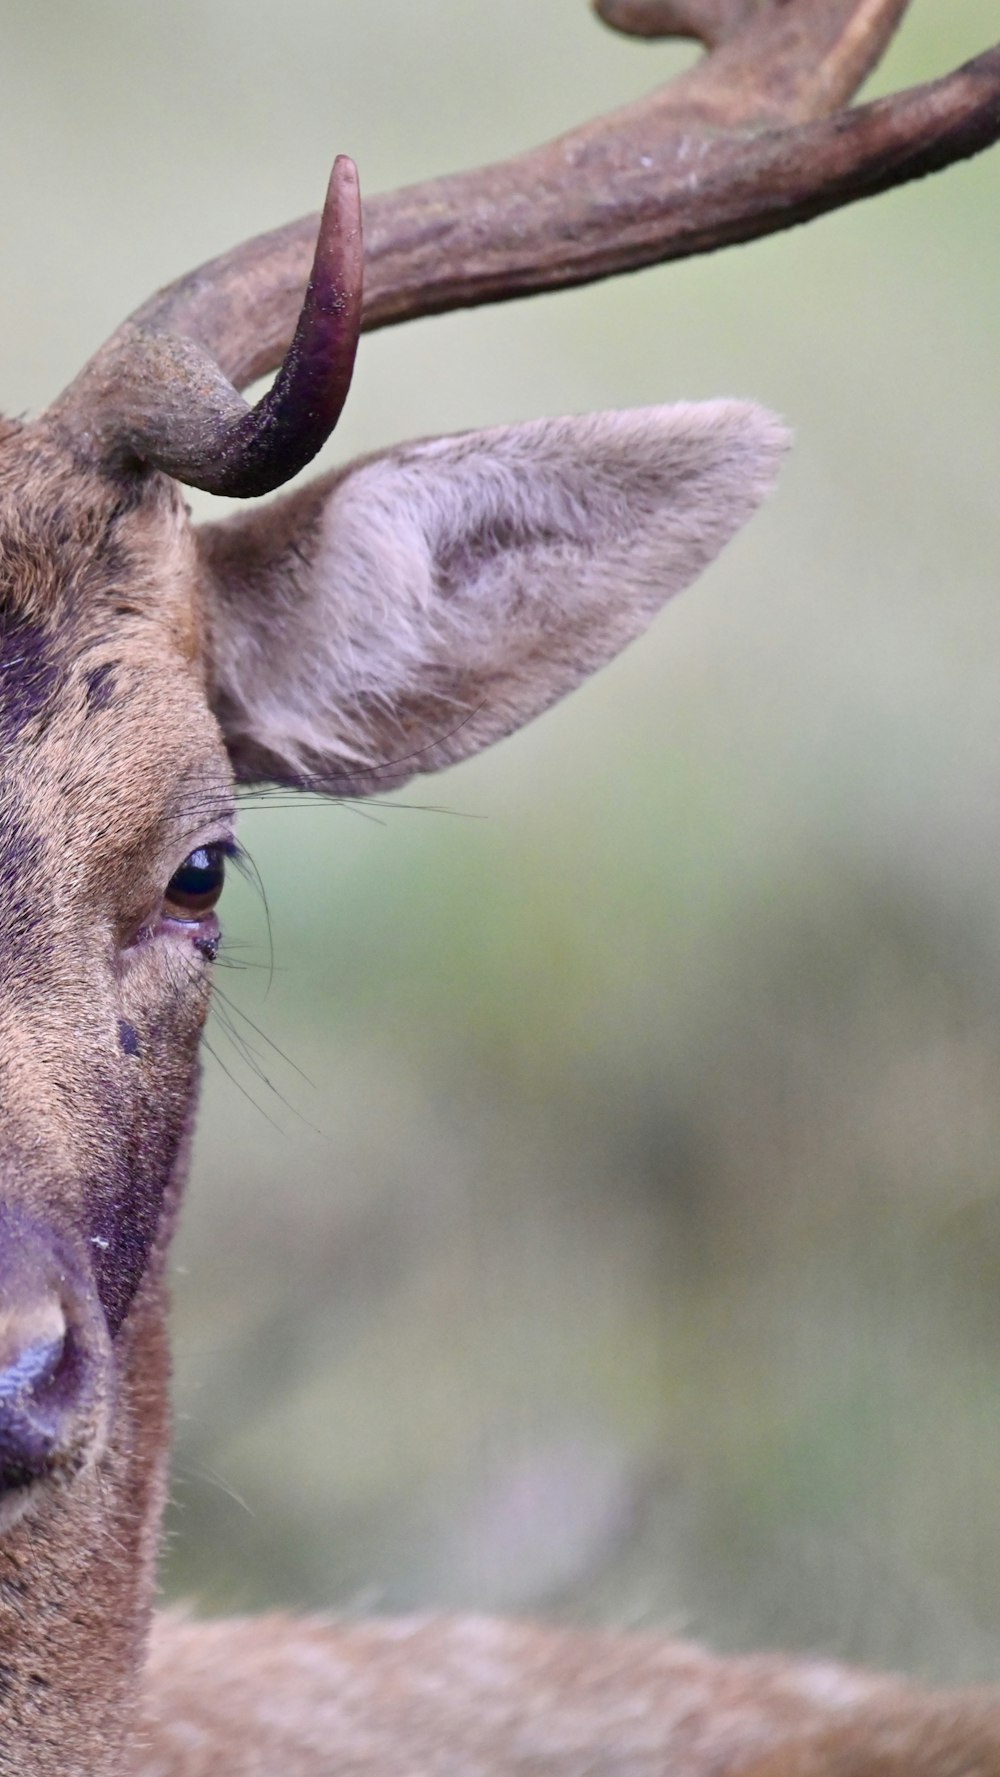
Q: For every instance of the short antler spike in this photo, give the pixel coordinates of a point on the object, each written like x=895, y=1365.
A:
x=294, y=419
x=157, y=396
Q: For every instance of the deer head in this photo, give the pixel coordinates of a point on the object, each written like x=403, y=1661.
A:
x=393, y=617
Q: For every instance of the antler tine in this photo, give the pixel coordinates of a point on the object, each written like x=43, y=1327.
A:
x=711, y=21
x=831, y=46
x=771, y=62
x=157, y=394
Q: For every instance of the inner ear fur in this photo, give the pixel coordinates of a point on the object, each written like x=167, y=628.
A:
x=402, y=613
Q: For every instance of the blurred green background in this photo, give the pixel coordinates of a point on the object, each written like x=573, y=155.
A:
x=607, y=1224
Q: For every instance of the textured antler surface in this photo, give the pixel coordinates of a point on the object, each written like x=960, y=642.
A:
x=776, y=63
x=751, y=140
x=771, y=60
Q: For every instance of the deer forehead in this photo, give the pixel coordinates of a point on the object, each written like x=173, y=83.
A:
x=107, y=749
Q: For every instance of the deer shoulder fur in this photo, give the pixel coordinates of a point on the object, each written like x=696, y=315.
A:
x=473, y=1696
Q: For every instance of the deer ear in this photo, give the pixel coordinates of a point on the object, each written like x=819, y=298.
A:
x=406, y=612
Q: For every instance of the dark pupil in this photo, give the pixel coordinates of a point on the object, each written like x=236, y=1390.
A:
x=197, y=885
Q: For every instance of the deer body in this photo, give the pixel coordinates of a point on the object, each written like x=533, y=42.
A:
x=394, y=617
x=472, y=1695
x=494, y=1699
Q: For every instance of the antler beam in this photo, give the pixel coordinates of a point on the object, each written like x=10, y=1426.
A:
x=750, y=141
x=597, y=204
x=702, y=163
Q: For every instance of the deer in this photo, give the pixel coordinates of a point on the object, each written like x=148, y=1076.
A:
x=389, y=618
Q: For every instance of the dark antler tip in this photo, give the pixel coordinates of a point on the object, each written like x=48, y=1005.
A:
x=344, y=190
x=345, y=168
x=297, y=415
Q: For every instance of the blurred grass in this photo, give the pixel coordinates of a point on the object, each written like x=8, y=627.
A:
x=633, y=1248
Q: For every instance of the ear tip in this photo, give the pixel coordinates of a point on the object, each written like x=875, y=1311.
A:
x=737, y=422
x=724, y=427
x=765, y=430
x=743, y=440
x=765, y=438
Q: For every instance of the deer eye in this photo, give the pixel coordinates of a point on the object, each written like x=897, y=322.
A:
x=194, y=889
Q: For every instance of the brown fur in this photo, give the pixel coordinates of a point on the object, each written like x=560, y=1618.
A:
x=469, y=1695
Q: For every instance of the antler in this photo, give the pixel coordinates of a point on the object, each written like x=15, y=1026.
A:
x=156, y=394
x=752, y=140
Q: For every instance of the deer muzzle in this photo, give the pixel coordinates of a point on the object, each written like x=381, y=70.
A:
x=54, y=1363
